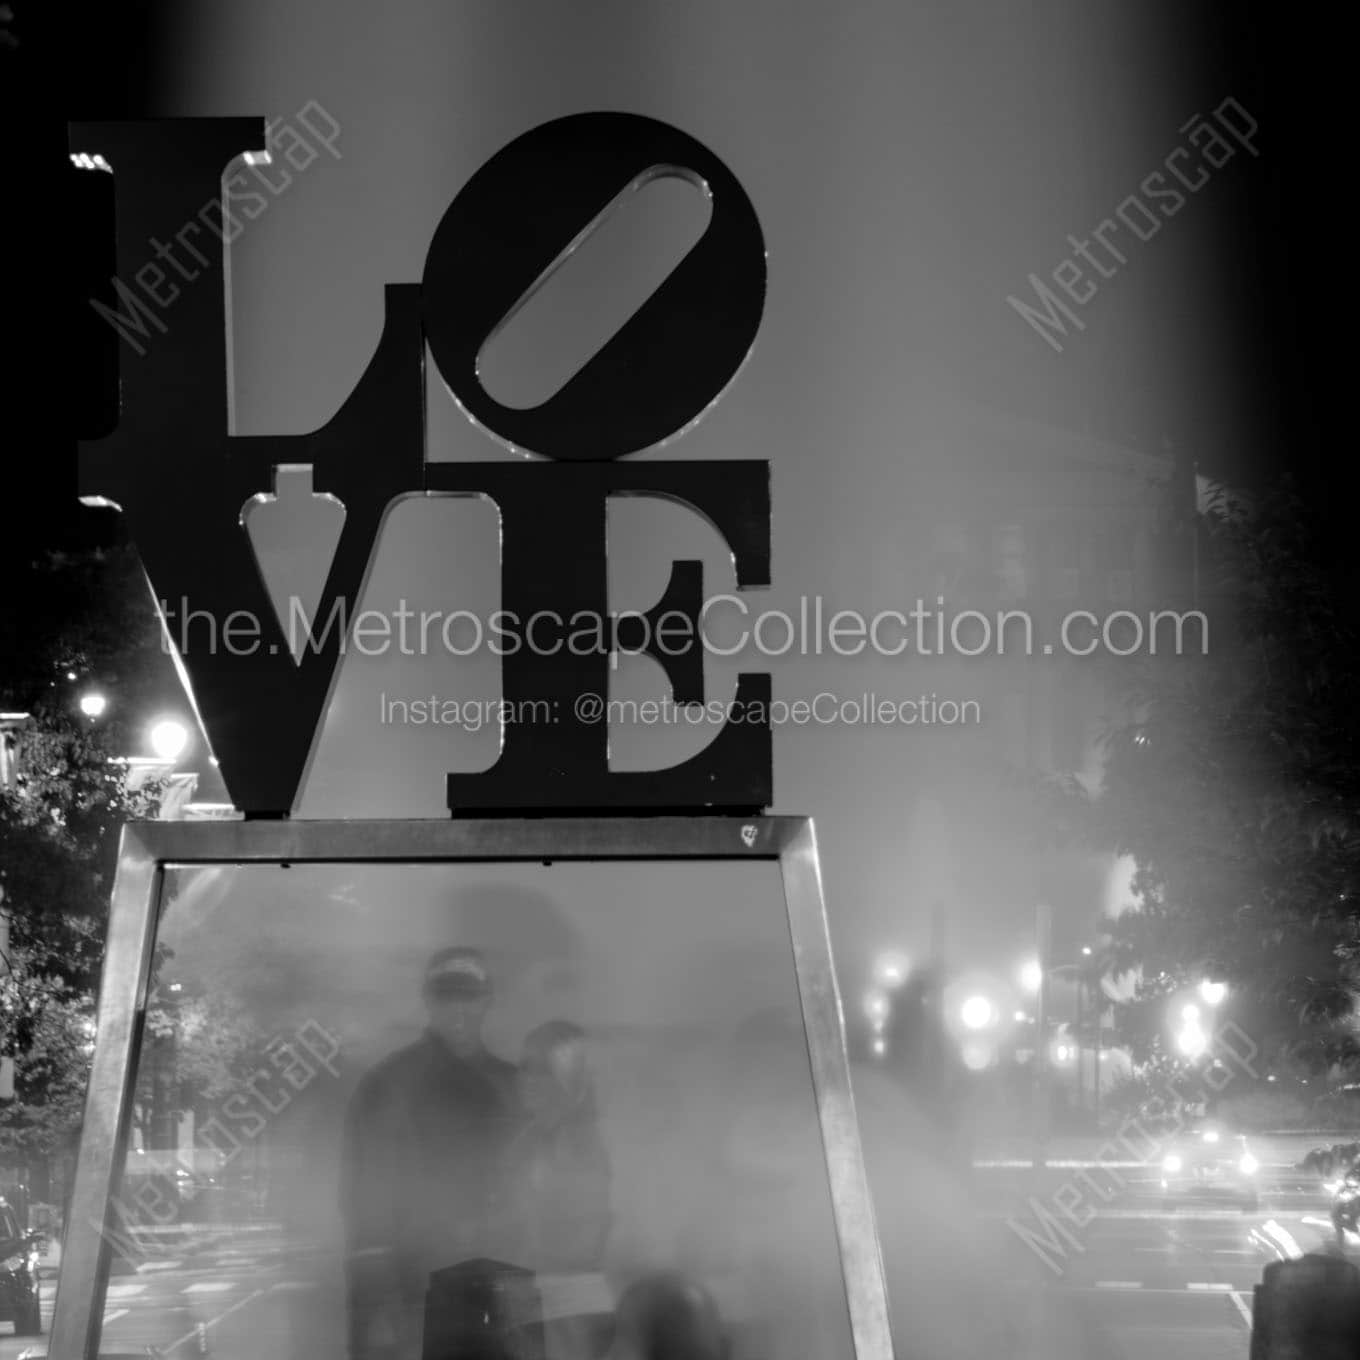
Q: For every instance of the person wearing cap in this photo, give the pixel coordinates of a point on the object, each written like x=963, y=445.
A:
x=423, y=1184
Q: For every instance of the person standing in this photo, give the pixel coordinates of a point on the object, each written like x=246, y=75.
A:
x=559, y=1166
x=423, y=1170
x=560, y=1170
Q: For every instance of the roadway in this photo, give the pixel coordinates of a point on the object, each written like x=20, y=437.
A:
x=1124, y=1280
x=1134, y=1280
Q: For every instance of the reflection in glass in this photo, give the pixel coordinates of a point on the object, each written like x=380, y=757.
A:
x=542, y=1112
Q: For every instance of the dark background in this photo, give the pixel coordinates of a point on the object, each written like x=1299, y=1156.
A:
x=1278, y=260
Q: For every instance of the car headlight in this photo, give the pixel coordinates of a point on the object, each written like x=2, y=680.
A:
x=1248, y=1165
x=1171, y=1162
x=1211, y=1135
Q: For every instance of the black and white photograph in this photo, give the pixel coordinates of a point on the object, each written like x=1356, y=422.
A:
x=677, y=682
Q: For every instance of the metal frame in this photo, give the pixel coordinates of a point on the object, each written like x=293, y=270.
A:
x=147, y=849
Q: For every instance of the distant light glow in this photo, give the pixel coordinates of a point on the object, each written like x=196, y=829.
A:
x=876, y=1004
x=169, y=738
x=880, y=1047
x=891, y=968
x=1020, y=1017
x=92, y=705
x=1172, y=1162
x=1063, y=1053
x=1211, y=1135
x=1190, y=1013
x=1031, y=975
x=1086, y=949
x=1212, y=993
x=1248, y=1166
x=1192, y=1040
x=978, y=1056
x=977, y=1012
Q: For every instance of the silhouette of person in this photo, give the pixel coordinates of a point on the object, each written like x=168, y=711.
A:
x=561, y=1174
x=423, y=1183
x=559, y=1164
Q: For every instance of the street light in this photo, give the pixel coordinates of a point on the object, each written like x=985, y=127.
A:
x=876, y=1006
x=1191, y=1039
x=1031, y=975
x=168, y=739
x=890, y=969
x=977, y=1012
x=1213, y=993
x=93, y=704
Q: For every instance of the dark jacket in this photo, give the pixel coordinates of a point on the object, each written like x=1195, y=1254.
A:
x=423, y=1182
x=561, y=1179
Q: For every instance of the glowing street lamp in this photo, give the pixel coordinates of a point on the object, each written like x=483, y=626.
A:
x=1213, y=993
x=93, y=704
x=1191, y=1039
x=977, y=1013
x=1031, y=976
x=890, y=969
x=168, y=739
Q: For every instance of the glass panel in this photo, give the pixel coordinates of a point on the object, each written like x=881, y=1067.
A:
x=475, y=1110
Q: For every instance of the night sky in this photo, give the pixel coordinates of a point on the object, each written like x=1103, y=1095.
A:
x=911, y=166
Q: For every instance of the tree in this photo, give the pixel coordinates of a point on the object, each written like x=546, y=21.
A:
x=58, y=843
x=1234, y=784
x=84, y=615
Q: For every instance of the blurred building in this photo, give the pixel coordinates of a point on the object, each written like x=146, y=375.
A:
x=1027, y=524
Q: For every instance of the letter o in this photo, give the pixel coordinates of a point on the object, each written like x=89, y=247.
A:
x=518, y=218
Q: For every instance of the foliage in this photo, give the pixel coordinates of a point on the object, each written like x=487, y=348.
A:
x=58, y=844
x=51, y=1025
x=197, y=1051
x=1235, y=786
x=59, y=827
x=1263, y=1109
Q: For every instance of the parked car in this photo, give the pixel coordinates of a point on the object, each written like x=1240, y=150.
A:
x=19, y=1253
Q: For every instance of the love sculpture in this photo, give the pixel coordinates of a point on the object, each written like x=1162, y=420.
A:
x=183, y=481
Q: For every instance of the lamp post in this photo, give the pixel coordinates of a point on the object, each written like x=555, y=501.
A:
x=1043, y=928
